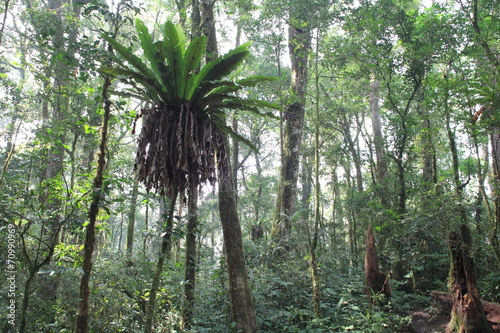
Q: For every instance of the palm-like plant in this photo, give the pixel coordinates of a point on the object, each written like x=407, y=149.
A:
x=181, y=134
x=183, y=138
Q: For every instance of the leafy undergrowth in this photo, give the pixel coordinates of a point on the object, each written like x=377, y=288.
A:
x=283, y=303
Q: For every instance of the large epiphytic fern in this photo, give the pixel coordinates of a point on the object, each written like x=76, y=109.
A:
x=182, y=133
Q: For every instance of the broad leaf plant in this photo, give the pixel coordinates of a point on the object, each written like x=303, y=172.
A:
x=182, y=134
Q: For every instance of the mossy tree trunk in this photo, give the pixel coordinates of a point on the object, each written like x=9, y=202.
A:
x=240, y=295
x=376, y=281
x=467, y=315
x=82, y=318
x=239, y=288
x=299, y=46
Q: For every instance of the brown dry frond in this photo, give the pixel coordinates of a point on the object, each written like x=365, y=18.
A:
x=176, y=149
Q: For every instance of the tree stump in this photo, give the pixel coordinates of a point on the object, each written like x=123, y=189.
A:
x=467, y=314
x=376, y=281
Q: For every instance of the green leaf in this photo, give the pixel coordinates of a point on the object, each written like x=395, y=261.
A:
x=254, y=80
x=261, y=103
x=154, y=93
x=228, y=62
x=165, y=72
x=210, y=90
x=174, y=43
x=129, y=57
x=226, y=87
x=216, y=69
x=226, y=129
x=192, y=60
x=150, y=51
x=252, y=105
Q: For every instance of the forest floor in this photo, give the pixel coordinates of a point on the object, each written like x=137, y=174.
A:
x=435, y=321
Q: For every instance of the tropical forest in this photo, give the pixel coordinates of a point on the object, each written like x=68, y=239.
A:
x=250, y=166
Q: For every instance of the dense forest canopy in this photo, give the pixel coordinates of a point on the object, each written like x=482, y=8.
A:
x=223, y=166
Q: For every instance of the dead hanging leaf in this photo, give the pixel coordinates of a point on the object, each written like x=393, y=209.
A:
x=177, y=148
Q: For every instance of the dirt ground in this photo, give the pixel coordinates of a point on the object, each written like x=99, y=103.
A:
x=423, y=321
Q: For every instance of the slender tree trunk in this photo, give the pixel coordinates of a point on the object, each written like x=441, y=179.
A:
x=378, y=140
x=307, y=183
x=235, y=154
x=467, y=315
x=26, y=300
x=482, y=200
x=34, y=266
x=131, y=217
x=239, y=289
x=190, y=276
x=337, y=208
x=402, y=185
x=454, y=152
x=235, y=143
x=299, y=45
x=240, y=295
x=354, y=150
x=165, y=253
x=495, y=228
x=257, y=200
x=83, y=315
x=377, y=131
x=313, y=242
x=351, y=219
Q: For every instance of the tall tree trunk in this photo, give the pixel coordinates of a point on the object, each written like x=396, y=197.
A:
x=235, y=143
x=376, y=281
x=402, y=185
x=257, y=200
x=235, y=154
x=351, y=219
x=429, y=160
x=131, y=217
x=298, y=45
x=239, y=289
x=83, y=315
x=454, y=151
x=307, y=183
x=495, y=228
x=467, y=315
x=378, y=140
x=190, y=276
x=337, y=207
x=164, y=254
x=313, y=242
x=240, y=294
x=352, y=145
